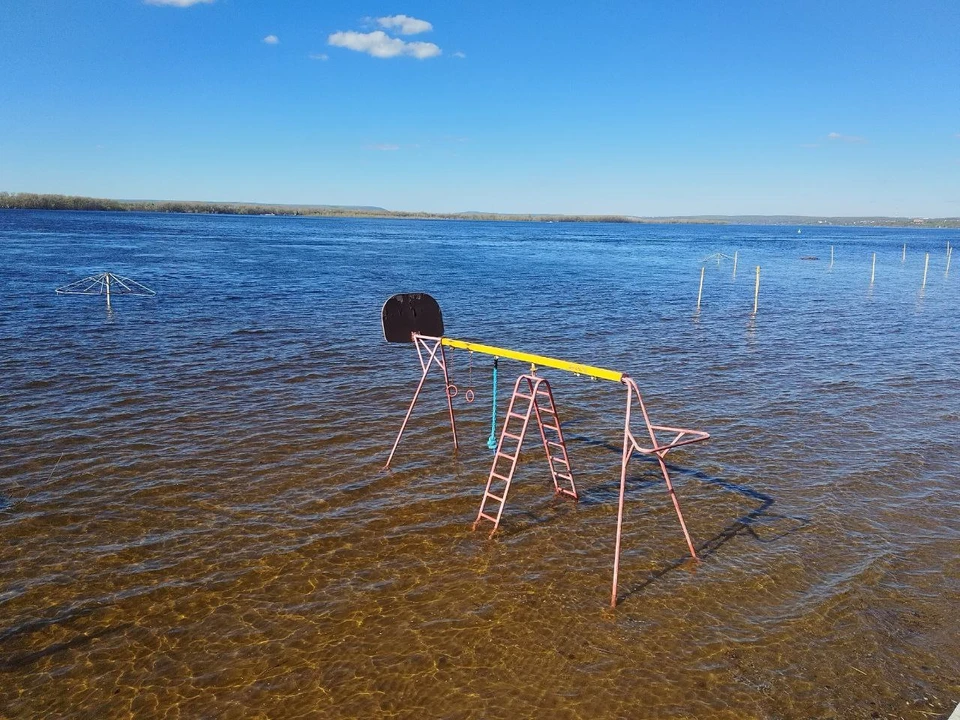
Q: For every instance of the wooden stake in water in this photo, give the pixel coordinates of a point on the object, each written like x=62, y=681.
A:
x=903, y=255
x=735, y=253
x=949, y=255
x=756, y=291
x=873, y=269
x=700, y=292
x=831, y=256
x=926, y=264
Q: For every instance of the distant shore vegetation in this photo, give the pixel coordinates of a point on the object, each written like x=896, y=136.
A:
x=35, y=201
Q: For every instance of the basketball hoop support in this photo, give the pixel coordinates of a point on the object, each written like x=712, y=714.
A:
x=432, y=348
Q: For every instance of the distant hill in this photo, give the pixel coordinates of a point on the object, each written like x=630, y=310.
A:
x=880, y=221
x=33, y=201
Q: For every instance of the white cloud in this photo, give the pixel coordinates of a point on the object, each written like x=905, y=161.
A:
x=318, y=56
x=177, y=3
x=271, y=40
x=838, y=137
x=405, y=24
x=459, y=54
x=380, y=45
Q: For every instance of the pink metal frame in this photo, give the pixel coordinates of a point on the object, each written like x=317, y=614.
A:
x=659, y=450
x=430, y=351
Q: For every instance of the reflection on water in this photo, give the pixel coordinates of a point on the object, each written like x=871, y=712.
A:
x=216, y=538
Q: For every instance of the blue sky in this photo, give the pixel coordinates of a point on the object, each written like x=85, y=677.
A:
x=650, y=107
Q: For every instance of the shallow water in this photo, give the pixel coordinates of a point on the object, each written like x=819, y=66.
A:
x=193, y=521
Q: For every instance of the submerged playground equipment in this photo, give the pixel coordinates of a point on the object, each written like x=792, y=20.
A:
x=104, y=284
x=416, y=318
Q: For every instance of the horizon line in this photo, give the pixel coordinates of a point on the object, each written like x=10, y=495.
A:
x=8, y=195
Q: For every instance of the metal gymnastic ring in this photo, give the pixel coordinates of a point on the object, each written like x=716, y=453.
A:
x=452, y=390
x=468, y=396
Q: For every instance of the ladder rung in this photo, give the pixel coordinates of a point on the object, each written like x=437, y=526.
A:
x=555, y=458
x=512, y=436
x=495, y=497
x=511, y=458
x=499, y=477
x=484, y=515
x=556, y=444
x=516, y=415
x=551, y=427
x=521, y=395
x=565, y=476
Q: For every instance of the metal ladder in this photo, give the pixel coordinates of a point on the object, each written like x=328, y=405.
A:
x=539, y=402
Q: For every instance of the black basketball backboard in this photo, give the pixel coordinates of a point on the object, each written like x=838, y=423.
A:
x=409, y=313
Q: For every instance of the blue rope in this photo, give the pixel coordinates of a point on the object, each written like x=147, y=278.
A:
x=492, y=440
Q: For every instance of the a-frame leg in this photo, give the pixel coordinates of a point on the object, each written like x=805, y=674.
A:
x=433, y=350
x=659, y=450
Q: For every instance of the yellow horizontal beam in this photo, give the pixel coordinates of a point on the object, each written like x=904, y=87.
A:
x=597, y=372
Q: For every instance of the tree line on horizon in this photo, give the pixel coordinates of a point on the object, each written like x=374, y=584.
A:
x=37, y=201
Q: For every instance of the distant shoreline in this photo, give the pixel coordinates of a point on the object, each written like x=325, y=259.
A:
x=33, y=201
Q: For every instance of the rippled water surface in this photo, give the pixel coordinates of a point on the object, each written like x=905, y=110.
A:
x=194, y=522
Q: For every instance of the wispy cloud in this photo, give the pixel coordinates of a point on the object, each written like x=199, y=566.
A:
x=318, y=56
x=271, y=40
x=838, y=137
x=178, y=3
x=380, y=45
x=404, y=24
x=382, y=147
x=459, y=54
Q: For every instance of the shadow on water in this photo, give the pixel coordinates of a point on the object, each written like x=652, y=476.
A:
x=17, y=661
x=745, y=524
x=32, y=626
x=608, y=492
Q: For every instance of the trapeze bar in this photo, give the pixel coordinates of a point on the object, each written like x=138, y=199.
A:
x=590, y=370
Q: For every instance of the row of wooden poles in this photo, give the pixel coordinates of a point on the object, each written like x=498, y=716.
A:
x=873, y=272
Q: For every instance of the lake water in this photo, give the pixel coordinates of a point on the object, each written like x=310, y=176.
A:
x=194, y=522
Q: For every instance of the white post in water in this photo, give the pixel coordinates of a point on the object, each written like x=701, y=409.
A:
x=700, y=292
x=735, y=253
x=756, y=291
x=831, y=256
x=873, y=269
x=903, y=255
x=107, y=275
x=949, y=255
x=926, y=264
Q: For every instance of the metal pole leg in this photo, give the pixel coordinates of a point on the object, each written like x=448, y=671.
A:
x=676, y=505
x=446, y=388
x=423, y=378
x=624, y=460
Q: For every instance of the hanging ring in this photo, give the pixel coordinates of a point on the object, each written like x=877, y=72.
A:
x=452, y=390
x=468, y=396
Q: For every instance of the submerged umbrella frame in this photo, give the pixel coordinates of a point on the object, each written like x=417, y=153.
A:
x=104, y=284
